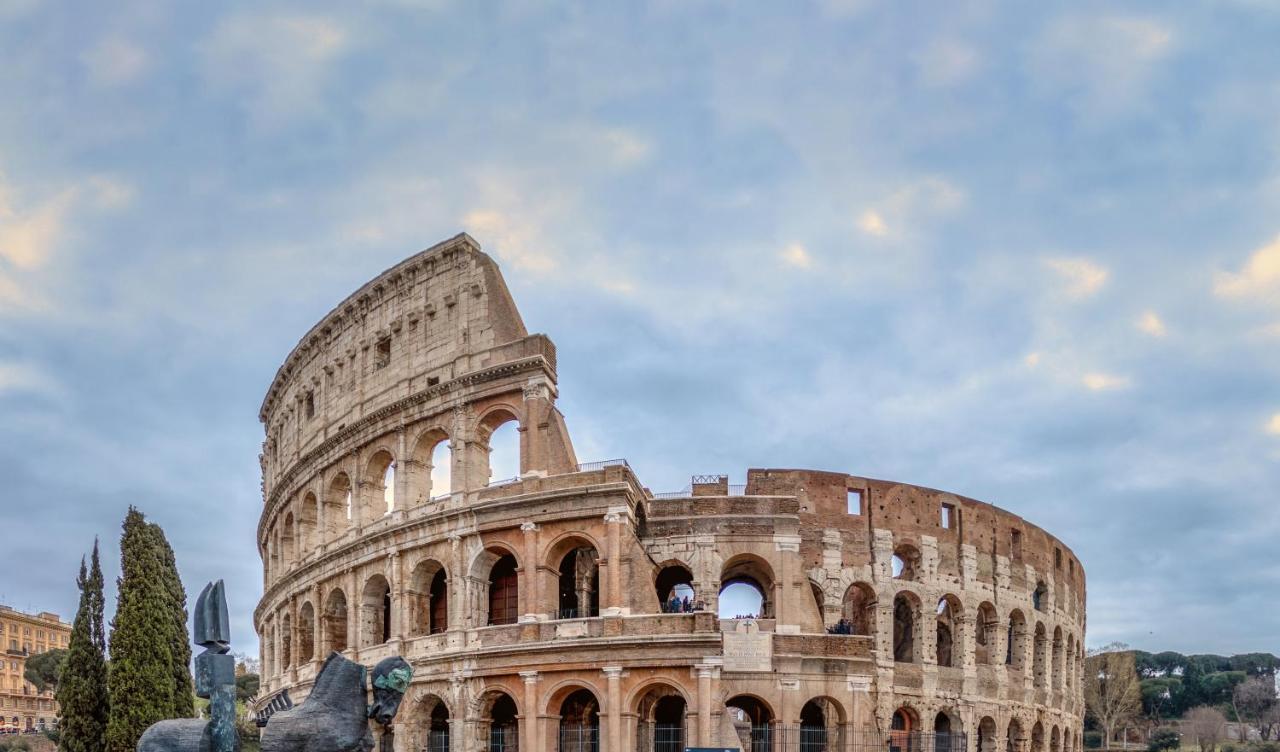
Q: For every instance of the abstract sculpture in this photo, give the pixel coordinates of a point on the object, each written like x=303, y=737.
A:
x=334, y=717
x=215, y=680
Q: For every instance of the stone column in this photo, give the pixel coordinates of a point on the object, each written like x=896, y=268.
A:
x=457, y=582
x=353, y=614
x=613, y=522
x=531, y=737
x=317, y=627
x=614, y=676
x=704, y=705
x=534, y=608
x=404, y=467
x=293, y=639
x=397, y=626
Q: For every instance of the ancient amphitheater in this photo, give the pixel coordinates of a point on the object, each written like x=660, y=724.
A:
x=538, y=611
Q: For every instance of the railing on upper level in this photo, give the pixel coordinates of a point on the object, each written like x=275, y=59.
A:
x=602, y=464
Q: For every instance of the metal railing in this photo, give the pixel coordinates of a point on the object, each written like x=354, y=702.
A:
x=579, y=739
x=438, y=740
x=504, y=739
x=602, y=464
x=503, y=482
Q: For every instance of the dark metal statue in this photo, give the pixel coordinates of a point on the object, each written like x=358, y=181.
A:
x=334, y=717
x=215, y=680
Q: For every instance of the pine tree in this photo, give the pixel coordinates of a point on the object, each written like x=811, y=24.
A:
x=82, y=692
x=141, y=676
x=179, y=641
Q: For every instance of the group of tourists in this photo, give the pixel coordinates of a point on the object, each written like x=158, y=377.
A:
x=677, y=605
x=844, y=626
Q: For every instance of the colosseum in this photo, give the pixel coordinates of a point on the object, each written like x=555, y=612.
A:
x=571, y=609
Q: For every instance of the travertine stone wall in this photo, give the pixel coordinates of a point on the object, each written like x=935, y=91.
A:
x=530, y=605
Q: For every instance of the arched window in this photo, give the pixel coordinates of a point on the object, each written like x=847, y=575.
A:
x=432, y=452
x=753, y=721
x=286, y=643
x=306, y=633
x=947, y=736
x=580, y=722
x=335, y=621
x=905, y=562
x=1037, y=737
x=985, y=639
x=380, y=498
x=504, y=591
x=1013, y=739
x=1039, y=596
x=375, y=612
x=428, y=599
x=1016, y=644
x=904, y=732
x=308, y=515
x=500, y=434
x=389, y=487
x=438, y=732
x=987, y=734
x=504, y=731
x=819, y=726
x=286, y=542
x=906, y=610
x=858, y=609
x=579, y=592
x=946, y=627
x=674, y=586
x=661, y=720
x=337, y=506
x=746, y=589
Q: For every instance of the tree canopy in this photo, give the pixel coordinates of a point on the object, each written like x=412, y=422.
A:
x=43, y=669
x=1173, y=683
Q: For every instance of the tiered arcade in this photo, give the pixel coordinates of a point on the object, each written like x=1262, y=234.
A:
x=537, y=610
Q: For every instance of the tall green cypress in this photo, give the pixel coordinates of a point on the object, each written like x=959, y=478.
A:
x=82, y=691
x=141, y=676
x=179, y=641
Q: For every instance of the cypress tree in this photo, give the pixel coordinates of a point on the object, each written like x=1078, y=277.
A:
x=141, y=676
x=179, y=641
x=82, y=691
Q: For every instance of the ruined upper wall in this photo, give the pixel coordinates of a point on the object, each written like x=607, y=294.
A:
x=433, y=317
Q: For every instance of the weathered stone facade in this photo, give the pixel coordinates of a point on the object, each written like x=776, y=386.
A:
x=533, y=610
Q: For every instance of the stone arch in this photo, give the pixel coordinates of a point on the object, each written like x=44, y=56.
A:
x=1037, y=737
x=904, y=729
x=495, y=578
x=286, y=642
x=821, y=719
x=905, y=563
x=335, y=621
x=987, y=732
x=288, y=547
x=339, y=506
x=497, y=726
x=308, y=523
x=379, y=490
x=752, y=717
x=575, y=708
x=575, y=558
x=489, y=426
x=427, y=723
x=674, y=579
x=754, y=572
x=662, y=711
x=858, y=608
x=375, y=611
x=947, y=628
x=1055, y=739
x=985, y=627
x=428, y=598
x=906, y=627
x=306, y=633
x=1040, y=596
x=948, y=731
x=433, y=454
x=1014, y=739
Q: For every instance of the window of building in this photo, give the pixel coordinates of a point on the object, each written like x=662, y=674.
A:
x=1015, y=545
x=854, y=501
x=948, y=516
x=311, y=404
x=382, y=353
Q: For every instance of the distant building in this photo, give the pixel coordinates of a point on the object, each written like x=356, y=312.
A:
x=571, y=609
x=22, y=636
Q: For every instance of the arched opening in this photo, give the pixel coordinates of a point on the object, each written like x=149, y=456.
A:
x=904, y=731
x=269, y=666
x=438, y=729
x=428, y=599
x=1037, y=737
x=985, y=639
x=905, y=563
x=858, y=609
x=502, y=433
x=661, y=715
x=746, y=589
x=504, y=730
x=674, y=585
x=441, y=470
x=947, y=734
x=1013, y=739
x=819, y=726
x=287, y=546
x=753, y=721
x=1039, y=596
x=987, y=734
x=308, y=516
x=504, y=591
x=335, y=621
x=286, y=643
x=1055, y=740
x=1038, y=658
x=380, y=498
x=432, y=461
x=337, y=506
x=580, y=722
x=306, y=633
x=579, y=592
x=906, y=610
x=375, y=612
x=1016, y=644
x=1055, y=665
x=819, y=600
x=947, y=626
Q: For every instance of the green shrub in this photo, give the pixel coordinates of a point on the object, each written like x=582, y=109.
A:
x=1093, y=740
x=1164, y=739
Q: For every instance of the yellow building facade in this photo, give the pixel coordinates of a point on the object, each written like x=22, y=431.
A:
x=22, y=636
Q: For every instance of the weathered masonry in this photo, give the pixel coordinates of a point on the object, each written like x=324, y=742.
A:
x=569, y=609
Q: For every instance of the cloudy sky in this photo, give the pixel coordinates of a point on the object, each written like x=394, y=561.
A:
x=1027, y=252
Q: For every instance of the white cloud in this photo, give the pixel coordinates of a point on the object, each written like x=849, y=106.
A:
x=1100, y=62
x=1259, y=277
x=872, y=223
x=1273, y=425
x=1101, y=382
x=514, y=240
x=23, y=377
x=1150, y=323
x=1032, y=359
x=1081, y=276
x=27, y=238
x=114, y=61
x=796, y=255
x=946, y=63
x=279, y=63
